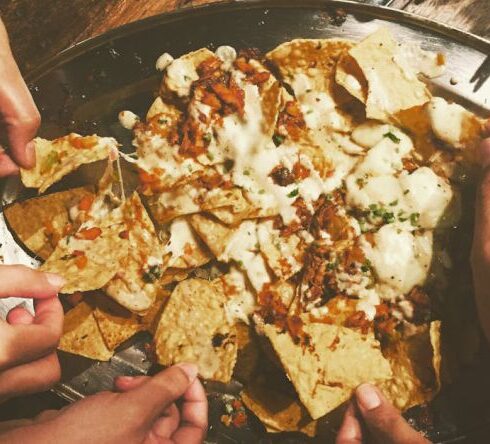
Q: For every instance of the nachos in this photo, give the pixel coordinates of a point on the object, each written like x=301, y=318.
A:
x=293, y=228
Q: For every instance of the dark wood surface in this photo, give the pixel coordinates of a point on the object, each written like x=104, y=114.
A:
x=40, y=28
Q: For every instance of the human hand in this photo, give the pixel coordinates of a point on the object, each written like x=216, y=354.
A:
x=371, y=418
x=480, y=254
x=28, y=360
x=170, y=407
x=19, y=117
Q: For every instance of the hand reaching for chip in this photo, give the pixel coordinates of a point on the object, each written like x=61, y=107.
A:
x=481, y=241
x=371, y=418
x=28, y=360
x=19, y=117
x=170, y=407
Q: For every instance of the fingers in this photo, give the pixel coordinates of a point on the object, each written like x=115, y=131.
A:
x=19, y=315
x=165, y=426
x=19, y=116
x=7, y=166
x=194, y=416
x=384, y=422
x=127, y=383
x=21, y=281
x=24, y=343
x=156, y=394
x=480, y=255
x=351, y=430
x=29, y=378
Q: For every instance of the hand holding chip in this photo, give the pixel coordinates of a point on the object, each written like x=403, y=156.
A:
x=28, y=360
x=144, y=411
x=371, y=415
x=19, y=117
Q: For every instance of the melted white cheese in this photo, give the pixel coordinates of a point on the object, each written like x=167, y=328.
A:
x=163, y=61
x=413, y=60
x=400, y=259
x=447, y=120
x=369, y=133
x=241, y=301
x=181, y=234
x=128, y=119
x=180, y=75
x=227, y=55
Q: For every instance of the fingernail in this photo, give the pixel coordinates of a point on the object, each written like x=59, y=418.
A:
x=55, y=280
x=190, y=370
x=367, y=396
x=31, y=153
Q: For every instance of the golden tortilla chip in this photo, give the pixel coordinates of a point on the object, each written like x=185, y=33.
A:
x=415, y=381
x=390, y=88
x=151, y=318
x=193, y=328
x=55, y=159
x=180, y=74
x=81, y=334
x=214, y=234
x=349, y=75
x=336, y=361
x=116, y=324
x=278, y=411
x=48, y=219
x=248, y=353
x=185, y=247
x=136, y=283
x=168, y=112
x=90, y=258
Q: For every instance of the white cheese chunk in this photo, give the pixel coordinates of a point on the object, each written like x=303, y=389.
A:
x=400, y=259
x=163, y=61
x=180, y=75
x=227, y=55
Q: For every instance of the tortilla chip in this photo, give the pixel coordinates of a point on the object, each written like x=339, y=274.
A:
x=248, y=353
x=193, y=328
x=337, y=360
x=151, y=318
x=284, y=255
x=90, y=264
x=164, y=110
x=47, y=222
x=230, y=206
x=278, y=411
x=390, y=89
x=214, y=234
x=171, y=275
x=349, y=75
x=136, y=283
x=180, y=74
x=415, y=381
x=55, y=159
x=185, y=247
x=116, y=324
x=81, y=334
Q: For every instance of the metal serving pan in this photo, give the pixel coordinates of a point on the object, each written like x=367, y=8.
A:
x=83, y=89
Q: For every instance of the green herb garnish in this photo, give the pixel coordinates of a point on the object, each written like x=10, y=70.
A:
x=278, y=139
x=392, y=137
x=294, y=193
x=152, y=274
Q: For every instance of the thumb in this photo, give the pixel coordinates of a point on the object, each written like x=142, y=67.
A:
x=480, y=255
x=384, y=423
x=21, y=281
x=156, y=394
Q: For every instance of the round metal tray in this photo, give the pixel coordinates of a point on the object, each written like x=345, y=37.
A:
x=83, y=89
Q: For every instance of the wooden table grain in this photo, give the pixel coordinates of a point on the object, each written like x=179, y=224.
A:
x=39, y=29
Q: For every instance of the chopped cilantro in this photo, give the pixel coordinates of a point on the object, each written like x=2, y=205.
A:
x=366, y=266
x=392, y=137
x=261, y=191
x=210, y=156
x=388, y=217
x=246, y=172
x=414, y=219
x=294, y=193
x=278, y=139
x=406, y=192
x=395, y=202
x=162, y=121
x=332, y=265
x=207, y=137
x=240, y=263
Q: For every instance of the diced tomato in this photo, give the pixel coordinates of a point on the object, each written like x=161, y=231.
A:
x=300, y=172
x=239, y=419
x=89, y=233
x=81, y=262
x=259, y=77
x=67, y=229
x=83, y=142
x=86, y=203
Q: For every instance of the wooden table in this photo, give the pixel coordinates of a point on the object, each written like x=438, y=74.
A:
x=40, y=29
